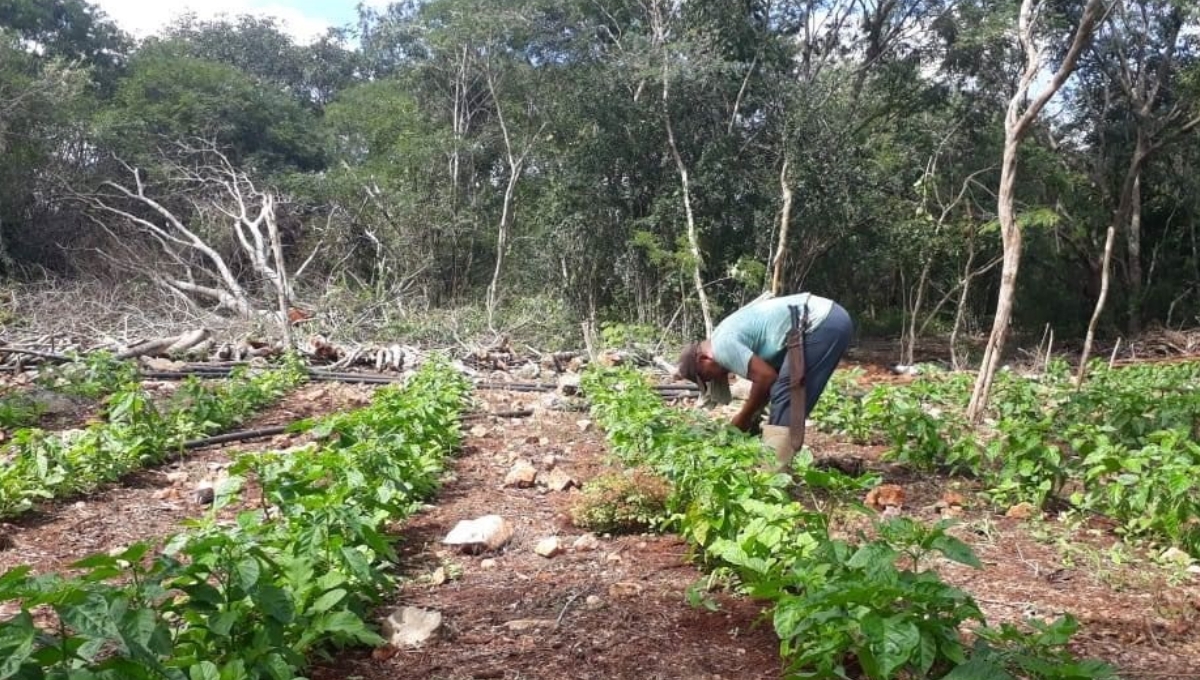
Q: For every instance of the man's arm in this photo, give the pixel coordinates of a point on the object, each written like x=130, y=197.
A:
x=762, y=375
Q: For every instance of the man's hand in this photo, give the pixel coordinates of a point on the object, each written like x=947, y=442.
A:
x=762, y=375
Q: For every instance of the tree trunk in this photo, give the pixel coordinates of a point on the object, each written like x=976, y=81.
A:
x=681, y=167
x=961, y=312
x=908, y=339
x=785, y=219
x=1134, y=264
x=501, y=243
x=1103, y=297
x=282, y=286
x=1016, y=126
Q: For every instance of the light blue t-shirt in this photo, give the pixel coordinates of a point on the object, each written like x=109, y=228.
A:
x=761, y=328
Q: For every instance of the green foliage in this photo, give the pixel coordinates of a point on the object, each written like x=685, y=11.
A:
x=43, y=466
x=621, y=502
x=18, y=410
x=1124, y=445
x=91, y=376
x=250, y=600
x=840, y=608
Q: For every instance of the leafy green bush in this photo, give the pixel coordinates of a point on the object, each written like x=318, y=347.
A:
x=621, y=502
x=91, y=376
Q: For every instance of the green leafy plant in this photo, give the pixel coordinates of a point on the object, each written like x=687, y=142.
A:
x=840, y=608
x=625, y=501
x=253, y=599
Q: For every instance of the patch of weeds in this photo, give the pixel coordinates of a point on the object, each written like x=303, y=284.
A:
x=18, y=410
x=622, y=502
x=92, y=376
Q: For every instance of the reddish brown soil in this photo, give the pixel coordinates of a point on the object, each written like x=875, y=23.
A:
x=1142, y=617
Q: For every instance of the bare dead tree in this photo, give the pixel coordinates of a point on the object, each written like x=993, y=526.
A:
x=515, y=159
x=659, y=19
x=218, y=196
x=1020, y=116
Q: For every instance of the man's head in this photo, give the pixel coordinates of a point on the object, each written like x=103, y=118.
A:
x=696, y=363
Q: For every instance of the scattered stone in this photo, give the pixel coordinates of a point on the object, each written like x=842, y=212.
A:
x=614, y=557
x=479, y=431
x=584, y=425
x=438, y=577
x=1194, y=569
x=560, y=480
x=488, y=563
x=586, y=542
x=522, y=475
x=158, y=364
x=568, y=384
x=177, y=477
x=1021, y=511
x=522, y=625
x=951, y=511
x=625, y=589
x=205, y=494
x=952, y=498
x=593, y=602
x=530, y=371
x=411, y=626
x=1174, y=555
x=548, y=547
x=885, y=496
x=549, y=461
x=489, y=531
x=169, y=492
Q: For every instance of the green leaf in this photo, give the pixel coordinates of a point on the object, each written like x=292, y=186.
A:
x=274, y=602
x=91, y=617
x=900, y=640
x=248, y=572
x=956, y=550
x=205, y=670
x=223, y=623
x=16, y=643
x=327, y=601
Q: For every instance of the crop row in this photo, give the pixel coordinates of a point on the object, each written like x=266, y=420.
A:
x=40, y=465
x=252, y=598
x=841, y=608
x=1125, y=445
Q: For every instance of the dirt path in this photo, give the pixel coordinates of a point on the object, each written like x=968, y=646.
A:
x=151, y=502
x=617, y=611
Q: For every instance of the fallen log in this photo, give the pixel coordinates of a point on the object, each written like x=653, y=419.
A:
x=243, y=435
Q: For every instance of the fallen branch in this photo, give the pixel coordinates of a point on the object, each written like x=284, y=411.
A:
x=236, y=436
x=49, y=356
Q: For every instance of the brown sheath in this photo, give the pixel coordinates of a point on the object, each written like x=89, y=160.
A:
x=797, y=378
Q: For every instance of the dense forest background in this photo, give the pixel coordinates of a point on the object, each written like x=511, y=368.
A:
x=552, y=162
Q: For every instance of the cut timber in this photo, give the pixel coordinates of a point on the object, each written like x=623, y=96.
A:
x=156, y=346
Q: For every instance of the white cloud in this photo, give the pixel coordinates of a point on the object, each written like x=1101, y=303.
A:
x=142, y=18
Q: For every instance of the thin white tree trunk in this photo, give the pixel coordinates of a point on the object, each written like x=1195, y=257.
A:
x=681, y=167
x=1016, y=126
x=785, y=219
x=1100, y=300
x=282, y=286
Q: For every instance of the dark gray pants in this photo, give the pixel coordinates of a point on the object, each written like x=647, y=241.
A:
x=823, y=349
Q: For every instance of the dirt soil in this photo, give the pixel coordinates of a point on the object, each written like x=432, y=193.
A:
x=619, y=610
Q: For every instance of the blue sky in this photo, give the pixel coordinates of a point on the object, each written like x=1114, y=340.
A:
x=304, y=19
